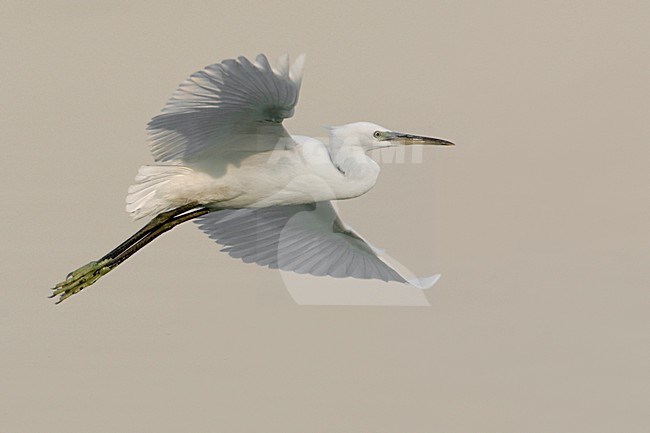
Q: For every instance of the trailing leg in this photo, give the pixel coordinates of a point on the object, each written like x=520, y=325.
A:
x=91, y=272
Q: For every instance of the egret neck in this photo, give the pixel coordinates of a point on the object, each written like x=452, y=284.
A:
x=348, y=154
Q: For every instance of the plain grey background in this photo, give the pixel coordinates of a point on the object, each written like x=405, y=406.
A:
x=538, y=220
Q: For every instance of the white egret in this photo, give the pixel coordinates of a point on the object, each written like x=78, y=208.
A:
x=223, y=157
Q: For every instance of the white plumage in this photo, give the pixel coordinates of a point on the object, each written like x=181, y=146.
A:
x=219, y=144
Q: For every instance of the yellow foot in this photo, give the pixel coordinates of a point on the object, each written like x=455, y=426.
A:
x=83, y=277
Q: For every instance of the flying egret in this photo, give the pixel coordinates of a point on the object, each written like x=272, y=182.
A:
x=224, y=158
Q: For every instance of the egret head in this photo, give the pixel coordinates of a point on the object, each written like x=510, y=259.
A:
x=371, y=136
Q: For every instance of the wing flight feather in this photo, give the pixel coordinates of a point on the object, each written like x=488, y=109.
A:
x=225, y=105
x=307, y=239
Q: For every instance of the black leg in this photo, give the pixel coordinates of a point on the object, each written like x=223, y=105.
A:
x=152, y=225
x=91, y=272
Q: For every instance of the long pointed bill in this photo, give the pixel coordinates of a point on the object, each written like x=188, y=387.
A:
x=408, y=139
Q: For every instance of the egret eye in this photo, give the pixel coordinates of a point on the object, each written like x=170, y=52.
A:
x=377, y=134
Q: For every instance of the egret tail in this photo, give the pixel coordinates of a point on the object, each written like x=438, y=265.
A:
x=154, y=184
x=88, y=274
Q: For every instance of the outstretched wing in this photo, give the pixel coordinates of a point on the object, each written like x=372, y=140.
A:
x=307, y=239
x=226, y=105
